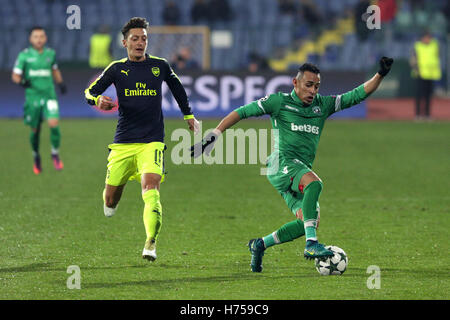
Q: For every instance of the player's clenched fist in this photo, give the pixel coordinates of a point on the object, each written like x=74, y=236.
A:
x=105, y=103
x=385, y=66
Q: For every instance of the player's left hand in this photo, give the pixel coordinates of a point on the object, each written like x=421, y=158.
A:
x=385, y=66
x=25, y=83
x=206, y=145
x=194, y=125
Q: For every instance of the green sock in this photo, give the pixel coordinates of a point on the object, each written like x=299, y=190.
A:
x=152, y=213
x=55, y=137
x=309, y=208
x=288, y=232
x=34, y=141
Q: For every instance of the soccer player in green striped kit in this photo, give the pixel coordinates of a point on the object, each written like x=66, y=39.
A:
x=36, y=69
x=300, y=117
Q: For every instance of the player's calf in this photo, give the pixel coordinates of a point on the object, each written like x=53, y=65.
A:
x=110, y=204
x=299, y=215
x=152, y=218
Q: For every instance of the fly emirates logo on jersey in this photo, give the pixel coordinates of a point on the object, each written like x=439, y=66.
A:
x=305, y=128
x=141, y=90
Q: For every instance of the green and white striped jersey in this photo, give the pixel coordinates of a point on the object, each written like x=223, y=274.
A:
x=37, y=68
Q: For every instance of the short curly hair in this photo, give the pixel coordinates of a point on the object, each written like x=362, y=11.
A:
x=135, y=22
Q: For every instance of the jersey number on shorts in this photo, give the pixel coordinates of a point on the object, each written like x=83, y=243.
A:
x=158, y=157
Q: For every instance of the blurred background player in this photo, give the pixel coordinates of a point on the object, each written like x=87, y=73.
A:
x=35, y=69
x=300, y=117
x=183, y=60
x=100, y=48
x=138, y=149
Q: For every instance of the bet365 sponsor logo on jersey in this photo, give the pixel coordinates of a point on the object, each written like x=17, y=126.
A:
x=305, y=128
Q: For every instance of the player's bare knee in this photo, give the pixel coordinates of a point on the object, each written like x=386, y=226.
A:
x=299, y=214
x=308, y=178
x=53, y=123
x=150, y=181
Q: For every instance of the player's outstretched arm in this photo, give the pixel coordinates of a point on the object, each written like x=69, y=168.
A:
x=230, y=120
x=266, y=105
x=385, y=66
x=360, y=93
x=207, y=144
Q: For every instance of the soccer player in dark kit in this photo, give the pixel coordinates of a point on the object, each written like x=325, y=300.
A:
x=138, y=149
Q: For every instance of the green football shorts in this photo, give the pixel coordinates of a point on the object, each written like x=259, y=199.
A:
x=39, y=108
x=285, y=176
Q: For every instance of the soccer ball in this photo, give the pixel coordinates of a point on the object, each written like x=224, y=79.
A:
x=335, y=265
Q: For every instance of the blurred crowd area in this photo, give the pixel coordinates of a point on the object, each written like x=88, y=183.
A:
x=265, y=34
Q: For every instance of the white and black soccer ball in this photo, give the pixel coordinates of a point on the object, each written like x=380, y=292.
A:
x=335, y=265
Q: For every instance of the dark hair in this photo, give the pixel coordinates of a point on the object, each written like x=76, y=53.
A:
x=36, y=28
x=135, y=22
x=309, y=67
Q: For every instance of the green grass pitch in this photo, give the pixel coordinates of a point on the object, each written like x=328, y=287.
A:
x=386, y=202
